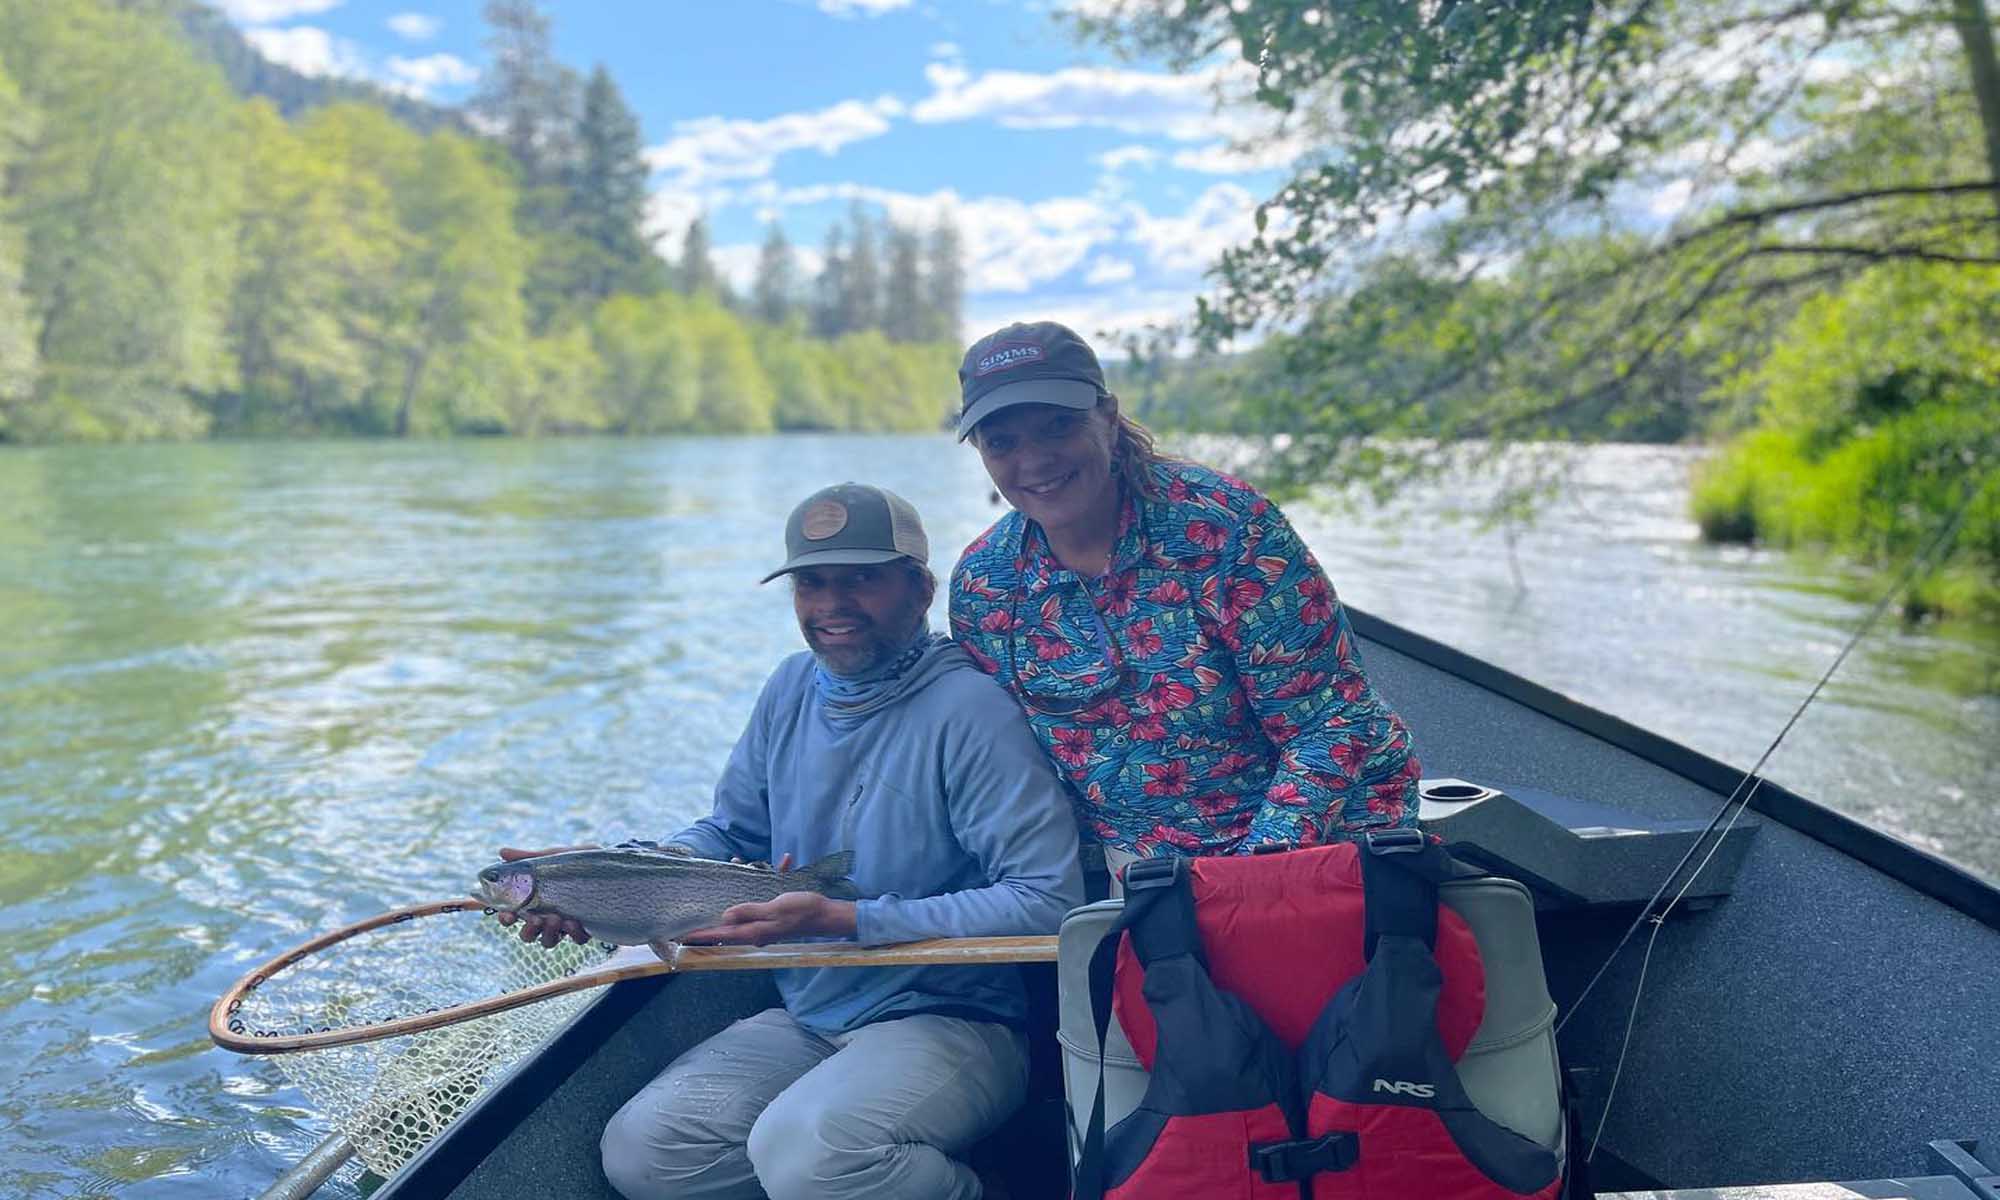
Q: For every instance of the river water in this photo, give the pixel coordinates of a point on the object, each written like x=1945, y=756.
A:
x=248, y=692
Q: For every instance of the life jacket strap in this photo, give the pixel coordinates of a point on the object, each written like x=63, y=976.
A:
x=1400, y=873
x=1302, y=1158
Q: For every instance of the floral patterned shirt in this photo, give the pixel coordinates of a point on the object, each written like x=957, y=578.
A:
x=1205, y=694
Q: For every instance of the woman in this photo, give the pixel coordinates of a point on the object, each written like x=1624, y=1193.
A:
x=1175, y=646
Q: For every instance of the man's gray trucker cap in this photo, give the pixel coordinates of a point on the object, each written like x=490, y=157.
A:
x=851, y=524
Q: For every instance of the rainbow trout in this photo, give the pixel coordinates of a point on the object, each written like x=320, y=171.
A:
x=635, y=896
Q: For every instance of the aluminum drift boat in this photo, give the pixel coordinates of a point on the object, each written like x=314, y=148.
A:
x=1820, y=1018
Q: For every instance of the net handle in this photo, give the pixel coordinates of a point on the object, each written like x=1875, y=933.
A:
x=933, y=952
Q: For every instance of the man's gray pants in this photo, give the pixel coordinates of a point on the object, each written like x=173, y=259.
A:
x=767, y=1107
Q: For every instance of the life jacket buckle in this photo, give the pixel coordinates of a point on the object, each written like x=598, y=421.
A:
x=1289, y=1162
x=1395, y=841
x=1146, y=873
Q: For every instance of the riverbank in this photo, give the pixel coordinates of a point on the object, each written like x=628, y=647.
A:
x=1878, y=500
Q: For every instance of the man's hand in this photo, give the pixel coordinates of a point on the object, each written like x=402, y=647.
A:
x=546, y=928
x=792, y=915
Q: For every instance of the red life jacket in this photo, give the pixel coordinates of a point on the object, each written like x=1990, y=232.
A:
x=1261, y=1087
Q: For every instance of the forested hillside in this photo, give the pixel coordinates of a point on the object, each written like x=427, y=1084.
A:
x=178, y=260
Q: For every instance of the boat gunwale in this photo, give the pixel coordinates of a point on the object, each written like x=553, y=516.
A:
x=1934, y=876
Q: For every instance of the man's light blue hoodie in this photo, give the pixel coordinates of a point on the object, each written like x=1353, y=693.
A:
x=958, y=823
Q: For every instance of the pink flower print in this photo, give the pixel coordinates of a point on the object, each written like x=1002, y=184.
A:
x=1118, y=593
x=1232, y=763
x=1049, y=648
x=1315, y=600
x=1073, y=747
x=1302, y=684
x=1000, y=621
x=1167, y=778
x=1207, y=534
x=1285, y=792
x=1243, y=595
x=1165, y=695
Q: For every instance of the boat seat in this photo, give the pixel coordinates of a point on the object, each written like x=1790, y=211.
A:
x=1510, y=1069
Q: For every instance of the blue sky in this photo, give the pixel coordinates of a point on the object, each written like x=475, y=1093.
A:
x=1089, y=189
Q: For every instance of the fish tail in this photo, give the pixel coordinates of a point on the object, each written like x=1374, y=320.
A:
x=829, y=876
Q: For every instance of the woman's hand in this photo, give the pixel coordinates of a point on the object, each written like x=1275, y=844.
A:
x=792, y=915
x=547, y=928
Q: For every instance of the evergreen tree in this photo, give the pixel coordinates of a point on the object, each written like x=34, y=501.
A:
x=607, y=196
x=527, y=95
x=696, y=274
x=861, y=299
x=17, y=339
x=830, y=290
x=903, y=316
x=944, y=285
x=774, y=294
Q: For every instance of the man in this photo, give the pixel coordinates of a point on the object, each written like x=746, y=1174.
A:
x=885, y=740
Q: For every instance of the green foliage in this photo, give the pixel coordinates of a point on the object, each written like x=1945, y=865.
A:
x=17, y=340
x=1881, y=410
x=650, y=380
x=174, y=262
x=125, y=201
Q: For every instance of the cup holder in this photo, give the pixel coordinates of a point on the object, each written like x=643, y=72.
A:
x=1453, y=792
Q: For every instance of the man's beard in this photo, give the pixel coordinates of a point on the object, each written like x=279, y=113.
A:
x=876, y=650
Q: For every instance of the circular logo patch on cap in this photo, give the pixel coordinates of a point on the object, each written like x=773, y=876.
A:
x=823, y=520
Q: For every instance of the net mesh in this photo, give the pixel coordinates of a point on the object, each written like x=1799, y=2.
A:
x=391, y=1096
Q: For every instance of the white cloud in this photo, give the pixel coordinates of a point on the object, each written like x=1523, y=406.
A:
x=309, y=51
x=717, y=148
x=1221, y=217
x=866, y=8
x=1099, y=316
x=670, y=210
x=264, y=12
x=1181, y=107
x=418, y=76
x=1128, y=156
x=1105, y=269
x=1670, y=200
x=415, y=27
x=1010, y=245
x=1223, y=158
x=946, y=50
x=737, y=262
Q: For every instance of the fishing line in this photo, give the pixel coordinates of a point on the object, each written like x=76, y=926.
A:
x=1753, y=779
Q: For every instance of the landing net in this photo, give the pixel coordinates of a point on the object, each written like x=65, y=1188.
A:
x=390, y=1095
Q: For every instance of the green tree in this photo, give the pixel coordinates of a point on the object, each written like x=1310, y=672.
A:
x=903, y=315
x=1479, y=138
x=861, y=295
x=17, y=339
x=290, y=317
x=125, y=201
x=651, y=378
x=460, y=289
x=695, y=274
x=733, y=395
x=555, y=385
x=531, y=98
x=774, y=295
x=358, y=159
x=798, y=368
x=944, y=284
x=1879, y=406
x=830, y=287
x=608, y=196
